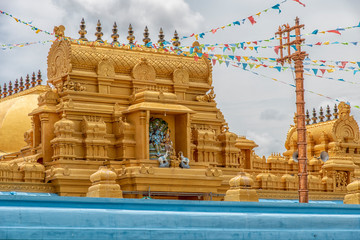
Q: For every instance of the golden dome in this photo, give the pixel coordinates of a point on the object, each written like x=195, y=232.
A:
x=14, y=119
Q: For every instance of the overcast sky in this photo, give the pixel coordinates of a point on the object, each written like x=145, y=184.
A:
x=254, y=106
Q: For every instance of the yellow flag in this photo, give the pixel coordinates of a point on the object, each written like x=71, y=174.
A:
x=246, y=58
x=37, y=31
x=326, y=43
x=331, y=70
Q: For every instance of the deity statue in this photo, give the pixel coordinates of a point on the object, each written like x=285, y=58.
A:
x=159, y=137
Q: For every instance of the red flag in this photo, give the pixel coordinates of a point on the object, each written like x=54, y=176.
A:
x=213, y=61
x=298, y=1
x=343, y=64
x=196, y=58
x=238, y=58
x=318, y=43
x=334, y=31
x=323, y=71
x=255, y=42
x=252, y=20
x=276, y=49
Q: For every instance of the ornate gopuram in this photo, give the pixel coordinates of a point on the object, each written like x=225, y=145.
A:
x=333, y=158
x=129, y=120
x=147, y=114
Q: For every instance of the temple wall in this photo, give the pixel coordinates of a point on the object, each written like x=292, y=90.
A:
x=85, y=218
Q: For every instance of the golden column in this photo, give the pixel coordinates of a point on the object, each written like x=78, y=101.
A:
x=298, y=57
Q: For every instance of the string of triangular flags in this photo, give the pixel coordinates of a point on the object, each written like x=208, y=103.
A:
x=250, y=19
x=245, y=45
x=259, y=62
x=36, y=29
x=335, y=79
x=292, y=85
x=11, y=46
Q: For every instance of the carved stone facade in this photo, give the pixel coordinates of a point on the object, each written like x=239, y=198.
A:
x=101, y=111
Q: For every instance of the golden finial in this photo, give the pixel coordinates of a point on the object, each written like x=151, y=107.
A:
x=21, y=87
x=176, y=42
x=307, y=119
x=39, y=80
x=10, y=91
x=131, y=37
x=115, y=35
x=99, y=34
x=146, y=39
x=16, y=86
x=82, y=30
x=27, y=82
x=336, y=114
x=4, y=90
x=321, y=115
x=161, y=37
x=328, y=114
x=33, y=80
x=314, y=118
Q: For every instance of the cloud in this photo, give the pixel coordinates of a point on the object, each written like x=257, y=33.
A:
x=271, y=114
x=170, y=15
x=267, y=143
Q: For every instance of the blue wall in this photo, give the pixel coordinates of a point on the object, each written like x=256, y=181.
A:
x=52, y=217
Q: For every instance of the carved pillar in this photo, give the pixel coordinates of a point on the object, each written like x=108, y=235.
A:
x=140, y=119
x=183, y=134
x=47, y=134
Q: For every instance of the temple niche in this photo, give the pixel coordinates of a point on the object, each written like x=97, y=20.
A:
x=149, y=118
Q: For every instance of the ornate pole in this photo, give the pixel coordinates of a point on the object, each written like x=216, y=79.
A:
x=298, y=56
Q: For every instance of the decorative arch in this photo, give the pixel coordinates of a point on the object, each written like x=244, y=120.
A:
x=144, y=71
x=59, y=60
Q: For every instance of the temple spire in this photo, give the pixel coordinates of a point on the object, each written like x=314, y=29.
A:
x=161, y=38
x=176, y=42
x=98, y=33
x=115, y=35
x=131, y=37
x=82, y=30
x=146, y=38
